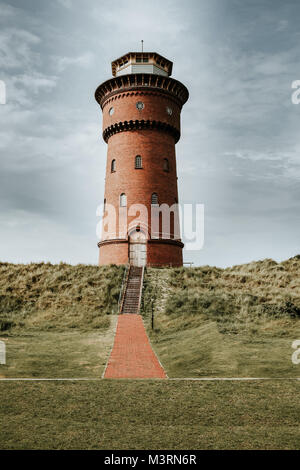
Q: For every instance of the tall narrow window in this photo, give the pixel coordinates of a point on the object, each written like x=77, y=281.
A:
x=113, y=166
x=166, y=165
x=138, y=162
x=123, y=200
x=154, y=199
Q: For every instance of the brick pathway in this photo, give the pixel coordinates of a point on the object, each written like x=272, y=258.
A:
x=132, y=356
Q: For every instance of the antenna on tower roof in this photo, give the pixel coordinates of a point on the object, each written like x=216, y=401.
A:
x=142, y=41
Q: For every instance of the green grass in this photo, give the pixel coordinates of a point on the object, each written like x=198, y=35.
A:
x=239, y=321
x=204, y=352
x=149, y=415
x=70, y=353
x=56, y=320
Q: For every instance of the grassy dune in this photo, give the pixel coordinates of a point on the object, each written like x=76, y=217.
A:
x=238, y=321
x=45, y=296
x=55, y=319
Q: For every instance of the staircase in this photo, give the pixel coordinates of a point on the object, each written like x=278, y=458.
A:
x=133, y=291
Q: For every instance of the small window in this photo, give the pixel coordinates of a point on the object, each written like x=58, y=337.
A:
x=145, y=59
x=111, y=111
x=138, y=162
x=166, y=165
x=123, y=200
x=154, y=199
x=140, y=105
x=113, y=166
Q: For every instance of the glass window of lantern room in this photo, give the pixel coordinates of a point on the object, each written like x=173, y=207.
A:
x=138, y=162
x=123, y=200
x=154, y=199
x=113, y=165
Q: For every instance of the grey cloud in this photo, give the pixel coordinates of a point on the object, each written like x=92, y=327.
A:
x=239, y=152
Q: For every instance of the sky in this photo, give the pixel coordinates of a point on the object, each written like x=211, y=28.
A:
x=239, y=152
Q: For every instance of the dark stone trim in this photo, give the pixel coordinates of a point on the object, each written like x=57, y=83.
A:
x=161, y=241
x=140, y=125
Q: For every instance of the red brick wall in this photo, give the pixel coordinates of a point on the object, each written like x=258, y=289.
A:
x=114, y=253
x=139, y=184
x=164, y=254
x=125, y=109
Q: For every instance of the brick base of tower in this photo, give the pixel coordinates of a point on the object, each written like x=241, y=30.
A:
x=159, y=253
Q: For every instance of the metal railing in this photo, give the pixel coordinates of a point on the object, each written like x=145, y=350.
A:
x=122, y=290
x=153, y=265
x=141, y=288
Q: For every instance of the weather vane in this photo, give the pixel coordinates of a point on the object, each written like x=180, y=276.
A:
x=142, y=41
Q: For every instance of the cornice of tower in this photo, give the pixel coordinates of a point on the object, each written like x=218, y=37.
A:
x=140, y=125
x=158, y=241
x=142, y=83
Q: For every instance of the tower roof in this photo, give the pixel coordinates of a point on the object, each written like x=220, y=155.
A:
x=142, y=62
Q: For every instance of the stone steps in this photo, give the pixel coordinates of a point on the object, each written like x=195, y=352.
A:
x=132, y=291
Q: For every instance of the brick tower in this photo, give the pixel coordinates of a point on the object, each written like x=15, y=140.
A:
x=141, y=108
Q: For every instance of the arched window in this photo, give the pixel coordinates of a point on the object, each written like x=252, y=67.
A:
x=123, y=200
x=154, y=199
x=138, y=162
x=113, y=165
x=166, y=165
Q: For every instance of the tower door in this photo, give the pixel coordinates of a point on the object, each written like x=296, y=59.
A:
x=138, y=249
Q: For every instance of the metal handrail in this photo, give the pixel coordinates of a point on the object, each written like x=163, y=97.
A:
x=153, y=265
x=121, y=294
x=141, y=288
